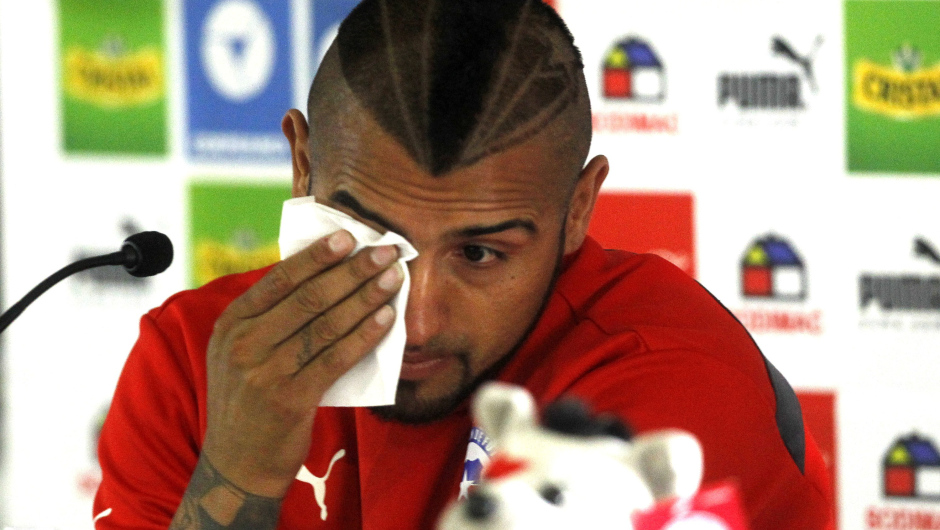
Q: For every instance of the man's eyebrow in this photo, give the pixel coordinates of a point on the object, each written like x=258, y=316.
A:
x=344, y=198
x=476, y=231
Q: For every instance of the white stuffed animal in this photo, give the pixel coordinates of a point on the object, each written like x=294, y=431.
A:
x=576, y=472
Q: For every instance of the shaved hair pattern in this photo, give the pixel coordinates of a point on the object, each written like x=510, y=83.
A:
x=454, y=81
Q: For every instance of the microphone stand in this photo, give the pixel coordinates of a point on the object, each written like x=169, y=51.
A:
x=115, y=258
x=142, y=254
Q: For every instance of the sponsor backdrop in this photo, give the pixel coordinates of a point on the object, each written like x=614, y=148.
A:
x=233, y=227
x=786, y=154
x=238, y=70
x=112, y=64
x=892, y=81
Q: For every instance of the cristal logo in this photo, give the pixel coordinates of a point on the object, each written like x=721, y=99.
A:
x=904, y=90
x=215, y=259
x=238, y=49
x=111, y=76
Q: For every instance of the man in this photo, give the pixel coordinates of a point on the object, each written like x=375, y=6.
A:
x=463, y=126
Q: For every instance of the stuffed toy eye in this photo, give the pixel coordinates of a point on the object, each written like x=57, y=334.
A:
x=552, y=494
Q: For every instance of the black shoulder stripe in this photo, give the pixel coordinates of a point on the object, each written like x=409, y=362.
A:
x=788, y=414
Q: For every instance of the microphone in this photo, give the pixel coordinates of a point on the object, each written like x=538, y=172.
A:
x=143, y=254
x=146, y=254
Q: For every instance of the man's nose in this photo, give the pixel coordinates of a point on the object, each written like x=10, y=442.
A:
x=425, y=313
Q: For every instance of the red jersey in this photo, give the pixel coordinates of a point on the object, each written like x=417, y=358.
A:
x=630, y=334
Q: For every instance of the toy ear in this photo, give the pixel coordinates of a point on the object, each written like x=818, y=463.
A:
x=500, y=408
x=670, y=463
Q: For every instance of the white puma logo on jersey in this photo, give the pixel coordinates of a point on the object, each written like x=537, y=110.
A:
x=101, y=515
x=319, y=484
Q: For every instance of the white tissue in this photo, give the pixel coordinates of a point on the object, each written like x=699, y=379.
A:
x=374, y=380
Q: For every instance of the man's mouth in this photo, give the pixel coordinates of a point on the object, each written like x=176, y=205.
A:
x=418, y=365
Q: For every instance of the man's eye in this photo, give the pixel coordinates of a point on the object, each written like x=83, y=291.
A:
x=478, y=254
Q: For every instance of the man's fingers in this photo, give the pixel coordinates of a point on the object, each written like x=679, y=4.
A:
x=321, y=293
x=324, y=369
x=342, y=319
x=286, y=276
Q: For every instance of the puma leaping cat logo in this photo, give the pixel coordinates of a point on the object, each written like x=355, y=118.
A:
x=319, y=484
x=101, y=516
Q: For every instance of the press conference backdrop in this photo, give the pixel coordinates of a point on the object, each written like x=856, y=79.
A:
x=786, y=154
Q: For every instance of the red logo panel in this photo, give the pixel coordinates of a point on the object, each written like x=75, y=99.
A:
x=758, y=281
x=899, y=482
x=658, y=223
x=617, y=84
x=819, y=414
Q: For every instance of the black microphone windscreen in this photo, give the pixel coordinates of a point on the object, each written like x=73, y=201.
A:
x=148, y=253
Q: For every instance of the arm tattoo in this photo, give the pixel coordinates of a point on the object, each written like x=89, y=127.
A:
x=250, y=512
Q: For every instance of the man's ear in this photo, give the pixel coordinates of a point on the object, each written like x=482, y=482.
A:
x=582, y=202
x=295, y=129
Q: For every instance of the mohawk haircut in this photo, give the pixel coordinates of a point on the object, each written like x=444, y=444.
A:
x=454, y=81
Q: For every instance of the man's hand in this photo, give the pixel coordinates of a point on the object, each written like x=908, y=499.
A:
x=274, y=352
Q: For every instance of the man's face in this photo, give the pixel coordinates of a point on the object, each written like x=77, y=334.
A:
x=489, y=238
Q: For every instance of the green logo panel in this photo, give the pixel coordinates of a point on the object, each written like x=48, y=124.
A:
x=893, y=86
x=113, y=66
x=233, y=228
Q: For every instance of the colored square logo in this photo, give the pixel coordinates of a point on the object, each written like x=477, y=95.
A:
x=616, y=84
x=633, y=70
x=899, y=481
x=233, y=228
x=658, y=223
x=788, y=281
x=648, y=83
x=893, y=86
x=239, y=64
x=772, y=268
x=757, y=281
x=928, y=481
x=113, y=80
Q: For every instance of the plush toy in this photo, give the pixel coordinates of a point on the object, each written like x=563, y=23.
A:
x=574, y=472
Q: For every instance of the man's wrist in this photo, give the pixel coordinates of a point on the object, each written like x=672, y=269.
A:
x=212, y=501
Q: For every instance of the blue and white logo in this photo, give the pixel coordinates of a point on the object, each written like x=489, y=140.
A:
x=479, y=450
x=239, y=60
x=238, y=49
x=327, y=16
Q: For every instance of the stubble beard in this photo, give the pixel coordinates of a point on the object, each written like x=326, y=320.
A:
x=411, y=409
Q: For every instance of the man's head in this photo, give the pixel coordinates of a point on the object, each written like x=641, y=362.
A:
x=464, y=126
